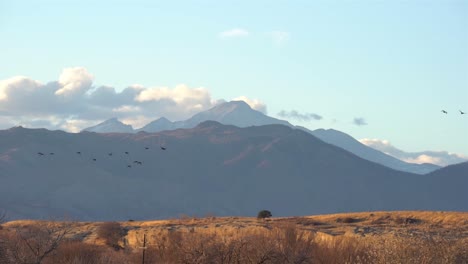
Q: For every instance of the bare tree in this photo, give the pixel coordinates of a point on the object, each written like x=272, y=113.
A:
x=111, y=232
x=32, y=244
x=2, y=217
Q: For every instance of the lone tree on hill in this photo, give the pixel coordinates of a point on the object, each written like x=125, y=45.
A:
x=264, y=214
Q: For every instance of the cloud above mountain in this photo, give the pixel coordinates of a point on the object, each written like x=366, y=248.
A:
x=73, y=102
x=253, y=103
x=359, y=121
x=293, y=114
x=441, y=158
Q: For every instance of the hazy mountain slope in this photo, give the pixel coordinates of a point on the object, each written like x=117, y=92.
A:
x=240, y=114
x=112, y=125
x=160, y=124
x=213, y=168
x=348, y=143
x=454, y=175
x=456, y=170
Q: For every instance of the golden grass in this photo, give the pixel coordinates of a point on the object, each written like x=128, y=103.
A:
x=366, y=237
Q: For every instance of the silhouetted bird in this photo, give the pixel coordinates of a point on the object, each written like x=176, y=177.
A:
x=126, y=152
x=461, y=112
x=51, y=153
x=110, y=154
x=94, y=159
x=163, y=148
x=443, y=111
x=40, y=154
x=129, y=166
x=146, y=148
x=78, y=152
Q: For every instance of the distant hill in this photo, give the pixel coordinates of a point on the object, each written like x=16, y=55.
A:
x=348, y=143
x=212, y=168
x=240, y=114
x=456, y=170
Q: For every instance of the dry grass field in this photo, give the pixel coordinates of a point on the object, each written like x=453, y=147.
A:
x=368, y=237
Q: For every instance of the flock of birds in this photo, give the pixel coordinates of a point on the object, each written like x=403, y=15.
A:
x=135, y=162
x=445, y=112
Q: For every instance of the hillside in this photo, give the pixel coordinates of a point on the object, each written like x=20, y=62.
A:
x=213, y=168
x=368, y=237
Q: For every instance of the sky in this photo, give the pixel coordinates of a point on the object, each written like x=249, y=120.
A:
x=380, y=71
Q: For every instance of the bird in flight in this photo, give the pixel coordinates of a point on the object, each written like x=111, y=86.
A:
x=146, y=148
x=110, y=154
x=78, y=152
x=126, y=152
x=443, y=111
x=51, y=153
x=461, y=112
x=40, y=154
x=163, y=148
x=94, y=159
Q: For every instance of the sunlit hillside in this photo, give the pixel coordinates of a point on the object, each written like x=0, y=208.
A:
x=368, y=237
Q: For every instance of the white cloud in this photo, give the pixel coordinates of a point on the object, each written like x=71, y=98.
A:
x=74, y=81
x=293, y=114
x=17, y=84
x=76, y=125
x=359, y=121
x=441, y=158
x=253, y=103
x=234, y=33
x=424, y=159
x=127, y=109
x=179, y=94
x=137, y=121
x=279, y=37
x=72, y=103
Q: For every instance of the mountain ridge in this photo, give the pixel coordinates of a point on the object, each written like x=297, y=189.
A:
x=212, y=168
x=241, y=114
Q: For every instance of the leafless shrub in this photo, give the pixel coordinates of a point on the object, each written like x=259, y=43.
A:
x=282, y=242
x=343, y=250
x=293, y=245
x=111, y=233
x=77, y=252
x=347, y=220
x=419, y=250
x=32, y=244
x=2, y=218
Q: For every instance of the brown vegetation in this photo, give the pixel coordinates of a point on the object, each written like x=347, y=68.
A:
x=380, y=237
x=111, y=233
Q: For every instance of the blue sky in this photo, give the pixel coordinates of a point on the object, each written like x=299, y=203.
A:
x=394, y=64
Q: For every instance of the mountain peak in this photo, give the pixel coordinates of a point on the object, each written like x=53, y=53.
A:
x=112, y=125
x=112, y=120
x=231, y=106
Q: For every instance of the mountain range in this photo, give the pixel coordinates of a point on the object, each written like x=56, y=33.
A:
x=240, y=114
x=210, y=169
